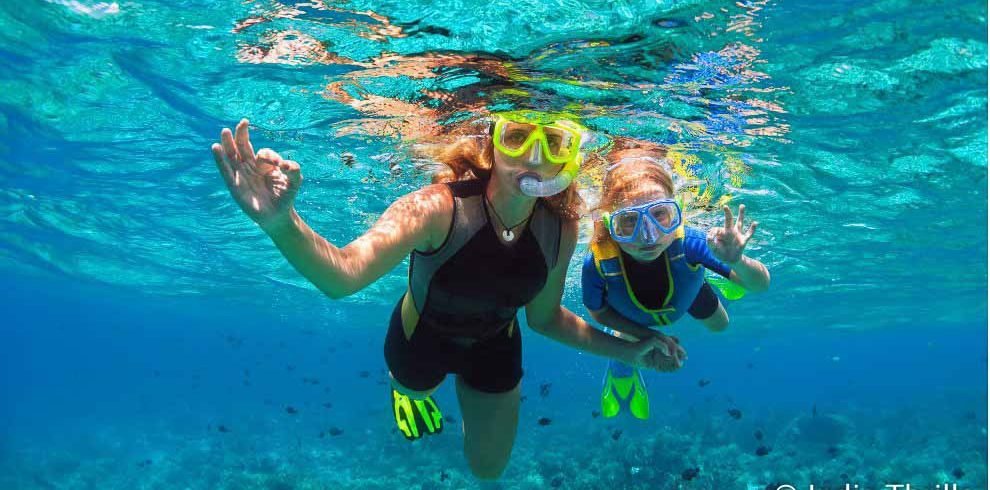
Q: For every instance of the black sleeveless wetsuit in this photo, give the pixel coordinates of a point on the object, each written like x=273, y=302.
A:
x=467, y=293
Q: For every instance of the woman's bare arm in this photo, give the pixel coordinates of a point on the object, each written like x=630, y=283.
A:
x=546, y=316
x=265, y=186
x=412, y=222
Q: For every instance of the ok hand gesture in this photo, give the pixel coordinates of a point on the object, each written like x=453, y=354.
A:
x=263, y=184
x=727, y=243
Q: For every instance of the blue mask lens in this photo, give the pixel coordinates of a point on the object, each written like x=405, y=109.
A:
x=645, y=223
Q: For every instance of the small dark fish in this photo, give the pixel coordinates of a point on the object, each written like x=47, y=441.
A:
x=735, y=413
x=544, y=421
x=833, y=451
x=364, y=374
x=616, y=434
x=142, y=464
x=322, y=434
x=234, y=342
x=545, y=389
x=762, y=451
x=758, y=435
x=246, y=383
x=556, y=482
x=291, y=410
x=157, y=373
x=223, y=428
x=703, y=383
x=595, y=414
x=328, y=405
x=814, y=410
x=669, y=23
x=335, y=431
x=690, y=473
x=749, y=365
x=290, y=367
x=444, y=476
x=449, y=419
x=958, y=473
x=522, y=398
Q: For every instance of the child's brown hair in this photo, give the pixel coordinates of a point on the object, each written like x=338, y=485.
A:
x=629, y=175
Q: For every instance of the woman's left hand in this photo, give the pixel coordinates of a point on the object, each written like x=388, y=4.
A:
x=654, y=353
x=728, y=243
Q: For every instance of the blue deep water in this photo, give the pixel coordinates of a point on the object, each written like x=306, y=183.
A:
x=153, y=337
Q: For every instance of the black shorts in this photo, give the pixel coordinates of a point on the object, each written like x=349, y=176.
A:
x=705, y=303
x=423, y=361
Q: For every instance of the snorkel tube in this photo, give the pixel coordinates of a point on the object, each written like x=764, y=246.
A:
x=533, y=186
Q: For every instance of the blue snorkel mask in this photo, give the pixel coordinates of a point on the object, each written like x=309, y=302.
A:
x=646, y=223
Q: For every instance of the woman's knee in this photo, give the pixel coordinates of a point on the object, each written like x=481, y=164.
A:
x=488, y=467
x=490, y=423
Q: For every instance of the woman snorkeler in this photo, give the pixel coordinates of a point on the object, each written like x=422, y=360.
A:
x=492, y=235
x=646, y=268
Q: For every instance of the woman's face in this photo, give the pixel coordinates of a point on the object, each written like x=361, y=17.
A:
x=508, y=169
x=645, y=252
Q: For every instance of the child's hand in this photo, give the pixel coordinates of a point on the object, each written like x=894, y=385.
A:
x=661, y=353
x=729, y=242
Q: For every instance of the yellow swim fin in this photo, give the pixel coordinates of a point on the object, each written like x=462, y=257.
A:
x=624, y=385
x=415, y=417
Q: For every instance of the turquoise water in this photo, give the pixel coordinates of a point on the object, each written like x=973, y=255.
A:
x=144, y=311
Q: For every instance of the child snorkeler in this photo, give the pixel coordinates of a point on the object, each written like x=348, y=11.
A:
x=646, y=268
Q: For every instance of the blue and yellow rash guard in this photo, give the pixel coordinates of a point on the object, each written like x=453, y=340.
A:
x=605, y=279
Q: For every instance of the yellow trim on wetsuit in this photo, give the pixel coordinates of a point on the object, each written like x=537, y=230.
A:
x=408, y=314
x=609, y=249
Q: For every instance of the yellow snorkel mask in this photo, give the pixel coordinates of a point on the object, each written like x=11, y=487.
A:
x=557, y=138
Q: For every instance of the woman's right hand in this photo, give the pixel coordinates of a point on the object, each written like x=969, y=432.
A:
x=263, y=184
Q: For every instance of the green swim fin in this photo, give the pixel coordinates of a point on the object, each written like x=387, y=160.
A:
x=623, y=384
x=729, y=289
x=416, y=417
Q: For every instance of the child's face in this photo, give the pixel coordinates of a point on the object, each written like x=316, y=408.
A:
x=645, y=252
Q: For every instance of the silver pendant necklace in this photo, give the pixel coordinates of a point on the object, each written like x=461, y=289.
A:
x=507, y=233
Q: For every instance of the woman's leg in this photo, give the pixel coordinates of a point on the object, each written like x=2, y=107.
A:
x=490, y=423
x=417, y=367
